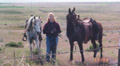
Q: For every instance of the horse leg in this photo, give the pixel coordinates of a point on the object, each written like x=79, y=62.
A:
x=31, y=55
x=33, y=45
x=30, y=43
x=81, y=51
x=38, y=48
x=71, y=50
x=95, y=46
x=100, y=45
x=40, y=41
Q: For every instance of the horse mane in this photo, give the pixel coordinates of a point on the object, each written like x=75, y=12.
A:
x=29, y=23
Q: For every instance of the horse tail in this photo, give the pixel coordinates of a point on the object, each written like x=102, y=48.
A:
x=100, y=39
x=95, y=28
x=100, y=33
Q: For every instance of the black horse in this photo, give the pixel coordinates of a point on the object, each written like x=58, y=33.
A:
x=76, y=32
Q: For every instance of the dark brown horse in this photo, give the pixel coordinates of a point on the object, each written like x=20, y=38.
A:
x=76, y=31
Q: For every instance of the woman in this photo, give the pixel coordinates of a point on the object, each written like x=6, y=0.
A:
x=51, y=29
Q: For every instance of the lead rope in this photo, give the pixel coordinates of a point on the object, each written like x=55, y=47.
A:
x=62, y=37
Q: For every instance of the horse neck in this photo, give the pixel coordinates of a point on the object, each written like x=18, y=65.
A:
x=70, y=28
x=31, y=27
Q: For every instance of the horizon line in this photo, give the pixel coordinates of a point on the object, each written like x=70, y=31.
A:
x=65, y=2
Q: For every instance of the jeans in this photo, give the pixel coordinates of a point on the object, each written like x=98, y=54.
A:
x=51, y=46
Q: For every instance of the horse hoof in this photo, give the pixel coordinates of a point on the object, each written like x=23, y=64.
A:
x=94, y=56
x=41, y=62
x=83, y=62
x=72, y=61
x=101, y=57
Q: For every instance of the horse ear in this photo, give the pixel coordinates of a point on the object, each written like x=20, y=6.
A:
x=69, y=10
x=73, y=10
x=31, y=15
x=34, y=17
x=26, y=21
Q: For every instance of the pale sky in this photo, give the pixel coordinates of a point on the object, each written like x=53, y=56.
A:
x=59, y=1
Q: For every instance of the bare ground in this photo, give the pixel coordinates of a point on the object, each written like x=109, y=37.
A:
x=110, y=39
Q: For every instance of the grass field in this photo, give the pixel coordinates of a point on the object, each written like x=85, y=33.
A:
x=13, y=16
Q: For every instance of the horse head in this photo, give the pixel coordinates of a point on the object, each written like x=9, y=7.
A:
x=71, y=16
x=34, y=23
x=37, y=24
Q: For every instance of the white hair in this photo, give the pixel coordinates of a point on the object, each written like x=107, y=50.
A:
x=28, y=23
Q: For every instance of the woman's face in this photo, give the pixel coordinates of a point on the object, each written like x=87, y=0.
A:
x=51, y=17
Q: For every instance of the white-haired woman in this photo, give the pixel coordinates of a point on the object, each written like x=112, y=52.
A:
x=51, y=29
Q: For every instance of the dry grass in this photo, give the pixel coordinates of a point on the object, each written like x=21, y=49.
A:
x=12, y=21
